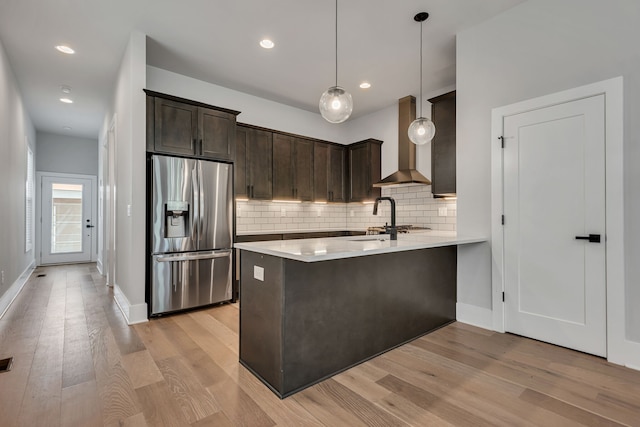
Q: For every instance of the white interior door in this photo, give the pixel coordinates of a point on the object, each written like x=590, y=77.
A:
x=67, y=220
x=554, y=198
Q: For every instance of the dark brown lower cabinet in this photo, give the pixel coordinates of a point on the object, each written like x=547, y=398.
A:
x=307, y=321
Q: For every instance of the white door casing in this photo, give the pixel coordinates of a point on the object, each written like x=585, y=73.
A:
x=77, y=191
x=554, y=191
x=619, y=349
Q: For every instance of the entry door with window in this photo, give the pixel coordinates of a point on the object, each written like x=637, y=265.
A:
x=554, y=224
x=67, y=220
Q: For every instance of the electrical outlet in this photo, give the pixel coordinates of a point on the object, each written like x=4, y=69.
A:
x=351, y=213
x=128, y=210
x=442, y=211
x=258, y=273
x=2, y=278
x=238, y=213
x=319, y=213
x=283, y=212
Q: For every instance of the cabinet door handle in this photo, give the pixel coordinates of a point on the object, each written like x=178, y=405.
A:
x=248, y=191
x=200, y=146
x=252, y=191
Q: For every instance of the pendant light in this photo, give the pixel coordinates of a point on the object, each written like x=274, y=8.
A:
x=421, y=130
x=336, y=103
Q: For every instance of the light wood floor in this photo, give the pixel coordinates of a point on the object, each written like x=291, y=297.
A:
x=76, y=363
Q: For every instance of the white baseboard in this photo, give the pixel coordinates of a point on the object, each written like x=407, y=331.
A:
x=10, y=295
x=474, y=315
x=631, y=357
x=132, y=313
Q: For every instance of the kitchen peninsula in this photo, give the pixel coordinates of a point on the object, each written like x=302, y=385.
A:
x=311, y=308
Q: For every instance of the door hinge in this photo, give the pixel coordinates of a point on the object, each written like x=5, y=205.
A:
x=502, y=219
x=501, y=138
x=503, y=297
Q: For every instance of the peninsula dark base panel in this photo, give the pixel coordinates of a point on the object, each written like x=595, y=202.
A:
x=308, y=321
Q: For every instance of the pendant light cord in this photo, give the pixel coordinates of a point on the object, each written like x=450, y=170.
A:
x=420, y=67
x=336, y=42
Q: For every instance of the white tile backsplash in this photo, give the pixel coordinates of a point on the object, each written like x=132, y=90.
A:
x=415, y=205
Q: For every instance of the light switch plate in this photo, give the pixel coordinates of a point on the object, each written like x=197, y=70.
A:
x=258, y=273
x=442, y=211
x=283, y=212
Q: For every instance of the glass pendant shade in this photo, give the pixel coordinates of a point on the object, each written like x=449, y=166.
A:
x=421, y=131
x=336, y=105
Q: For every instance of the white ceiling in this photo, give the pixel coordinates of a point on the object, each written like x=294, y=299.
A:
x=217, y=41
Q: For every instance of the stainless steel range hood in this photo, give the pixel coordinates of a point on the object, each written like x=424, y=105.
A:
x=407, y=173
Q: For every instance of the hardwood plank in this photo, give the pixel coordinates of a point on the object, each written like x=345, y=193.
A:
x=238, y=406
x=365, y=412
x=225, y=357
x=566, y=410
x=41, y=401
x=80, y=405
x=136, y=420
x=142, y=369
x=411, y=413
x=443, y=408
x=117, y=396
x=159, y=406
x=155, y=340
x=536, y=377
x=194, y=400
x=227, y=315
x=482, y=394
x=223, y=334
x=219, y=419
x=77, y=360
x=282, y=412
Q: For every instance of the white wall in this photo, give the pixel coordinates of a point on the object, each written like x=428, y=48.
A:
x=15, y=130
x=66, y=154
x=537, y=48
x=129, y=107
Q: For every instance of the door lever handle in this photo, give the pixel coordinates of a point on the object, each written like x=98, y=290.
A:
x=90, y=226
x=592, y=238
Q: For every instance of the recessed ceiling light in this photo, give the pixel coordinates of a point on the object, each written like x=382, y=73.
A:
x=267, y=44
x=65, y=89
x=65, y=49
x=67, y=127
x=365, y=85
x=66, y=100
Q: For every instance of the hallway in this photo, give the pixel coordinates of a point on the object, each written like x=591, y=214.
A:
x=76, y=363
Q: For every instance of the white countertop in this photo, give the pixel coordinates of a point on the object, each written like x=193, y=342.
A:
x=287, y=231
x=311, y=250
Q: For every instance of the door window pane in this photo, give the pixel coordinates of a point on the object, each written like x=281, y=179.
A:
x=66, y=218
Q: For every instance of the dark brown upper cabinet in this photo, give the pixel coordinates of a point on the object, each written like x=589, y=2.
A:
x=329, y=172
x=292, y=168
x=188, y=128
x=253, y=166
x=443, y=145
x=364, y=170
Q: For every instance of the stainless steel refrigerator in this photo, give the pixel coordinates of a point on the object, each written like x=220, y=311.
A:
x=191, y=233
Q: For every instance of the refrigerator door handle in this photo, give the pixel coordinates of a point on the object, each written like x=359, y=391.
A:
x=195, y=188
x=194, y=257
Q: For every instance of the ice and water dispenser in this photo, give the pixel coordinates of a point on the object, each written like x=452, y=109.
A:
x=176, y=219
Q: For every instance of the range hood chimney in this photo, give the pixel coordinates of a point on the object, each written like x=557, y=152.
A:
x=407, y=173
